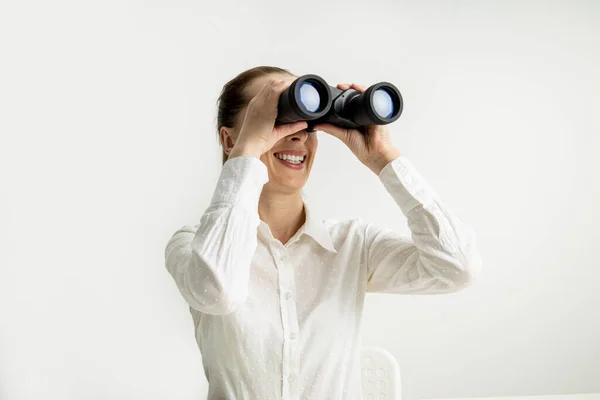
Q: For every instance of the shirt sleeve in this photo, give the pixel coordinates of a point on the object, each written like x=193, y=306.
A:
x=210, y=262
x=441, y=257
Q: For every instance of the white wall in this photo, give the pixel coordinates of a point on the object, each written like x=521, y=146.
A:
x=108, y=146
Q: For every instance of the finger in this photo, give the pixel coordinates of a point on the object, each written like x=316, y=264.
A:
x=343, y=86
x=360, y=88
x=271, y=91
x=266, y=90
x=275, y=86
x=284, y=84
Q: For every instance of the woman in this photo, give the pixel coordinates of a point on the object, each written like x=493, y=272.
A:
x=276, y=293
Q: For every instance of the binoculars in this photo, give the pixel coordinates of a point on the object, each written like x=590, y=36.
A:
x=309, y=98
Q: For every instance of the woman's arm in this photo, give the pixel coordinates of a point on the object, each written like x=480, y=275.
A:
x=211, y=261
x=441, y=257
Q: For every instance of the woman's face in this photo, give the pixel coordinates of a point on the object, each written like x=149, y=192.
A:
x=286, y=176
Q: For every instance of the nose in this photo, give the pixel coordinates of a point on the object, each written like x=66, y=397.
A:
x=298, y=136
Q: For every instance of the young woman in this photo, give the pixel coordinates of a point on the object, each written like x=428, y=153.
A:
x=276, y=293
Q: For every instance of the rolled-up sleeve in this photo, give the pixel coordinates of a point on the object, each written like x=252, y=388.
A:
x=440, y=256
x=210, y=262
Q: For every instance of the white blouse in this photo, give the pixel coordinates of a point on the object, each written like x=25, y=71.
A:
x=277, y=321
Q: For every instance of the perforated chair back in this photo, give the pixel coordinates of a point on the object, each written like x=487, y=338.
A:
x=380, y=375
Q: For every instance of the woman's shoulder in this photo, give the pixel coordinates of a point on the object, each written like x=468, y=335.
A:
x=344, y=226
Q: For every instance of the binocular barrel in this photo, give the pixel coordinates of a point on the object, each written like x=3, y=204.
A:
x=309, y=98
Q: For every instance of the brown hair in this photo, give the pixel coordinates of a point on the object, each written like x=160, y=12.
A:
x=233, y=98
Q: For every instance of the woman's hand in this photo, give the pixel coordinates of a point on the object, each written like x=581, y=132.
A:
x=373, y=147
x=258, y=133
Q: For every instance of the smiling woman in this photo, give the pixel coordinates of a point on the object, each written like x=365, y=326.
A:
x=277, y=293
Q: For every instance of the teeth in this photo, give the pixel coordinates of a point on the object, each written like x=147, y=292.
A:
x=291, y=159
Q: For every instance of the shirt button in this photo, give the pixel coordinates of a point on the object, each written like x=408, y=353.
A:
x=293, y=336
x=288, y=296
x=292, y=378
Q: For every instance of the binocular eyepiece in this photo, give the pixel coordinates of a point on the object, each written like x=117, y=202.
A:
x=309, y=98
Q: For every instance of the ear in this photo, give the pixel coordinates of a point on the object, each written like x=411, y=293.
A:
x=227, y=138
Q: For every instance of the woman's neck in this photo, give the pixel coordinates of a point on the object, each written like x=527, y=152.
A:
x=283, y=213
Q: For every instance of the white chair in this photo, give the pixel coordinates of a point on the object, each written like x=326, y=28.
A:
x=380, y=375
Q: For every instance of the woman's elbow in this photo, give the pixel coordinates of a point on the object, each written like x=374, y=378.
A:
x=200, y=280
x=210, y=293
x=467, y=273
x=216, y=305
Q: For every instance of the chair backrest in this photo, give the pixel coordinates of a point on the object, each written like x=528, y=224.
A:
x=380, y=375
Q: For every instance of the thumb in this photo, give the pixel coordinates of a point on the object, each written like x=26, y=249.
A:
x=289, y=129
x=333, y=130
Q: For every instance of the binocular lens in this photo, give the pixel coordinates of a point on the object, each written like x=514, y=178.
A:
x=309, y=97
x=383, y=103
x=306, y=99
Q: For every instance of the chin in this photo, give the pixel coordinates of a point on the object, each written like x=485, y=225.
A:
x=286, y=182
x=290, y=178
x=286, y=186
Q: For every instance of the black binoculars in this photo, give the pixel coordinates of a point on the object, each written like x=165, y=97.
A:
x=309, y=98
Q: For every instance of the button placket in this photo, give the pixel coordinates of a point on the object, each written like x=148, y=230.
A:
x=289, y=322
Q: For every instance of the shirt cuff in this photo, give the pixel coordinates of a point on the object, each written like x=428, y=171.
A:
x=241, y=181
x=404, y=183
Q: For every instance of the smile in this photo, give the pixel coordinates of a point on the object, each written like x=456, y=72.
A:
x=291, y=161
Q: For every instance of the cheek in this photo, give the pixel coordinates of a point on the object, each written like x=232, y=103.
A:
x=313, y=142
x=265, y=158
x=313, y=149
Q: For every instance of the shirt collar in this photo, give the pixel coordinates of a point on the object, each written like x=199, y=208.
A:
x=313, y=227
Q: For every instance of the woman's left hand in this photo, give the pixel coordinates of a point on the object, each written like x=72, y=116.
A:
x=373, y=147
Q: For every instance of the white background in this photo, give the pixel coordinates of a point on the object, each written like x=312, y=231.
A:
x=108, y=146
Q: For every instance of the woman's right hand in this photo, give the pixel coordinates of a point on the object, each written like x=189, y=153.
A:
x=258, y=133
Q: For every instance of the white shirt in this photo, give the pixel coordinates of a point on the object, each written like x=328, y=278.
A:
x=277, y=321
